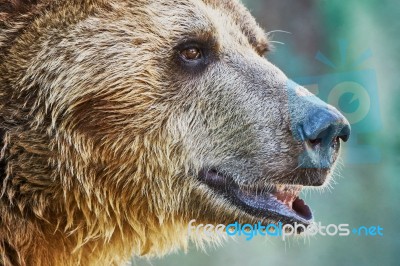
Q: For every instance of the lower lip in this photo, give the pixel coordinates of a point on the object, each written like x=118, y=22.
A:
x=269, y=204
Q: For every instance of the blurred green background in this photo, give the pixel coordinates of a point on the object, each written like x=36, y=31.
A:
x=366, y=193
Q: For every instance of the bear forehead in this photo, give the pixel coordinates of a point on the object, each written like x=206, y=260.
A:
x=228, y=9
x=242, y=17
x=202, y=17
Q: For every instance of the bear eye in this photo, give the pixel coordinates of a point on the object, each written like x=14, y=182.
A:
x=191, y=54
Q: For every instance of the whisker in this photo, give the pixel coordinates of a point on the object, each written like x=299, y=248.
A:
x=277, y=42
x=280, y=31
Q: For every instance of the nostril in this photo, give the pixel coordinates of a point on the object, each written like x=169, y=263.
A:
x=315, y=141
x=345, y=133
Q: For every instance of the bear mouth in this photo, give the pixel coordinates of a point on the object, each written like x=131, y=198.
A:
x=277, y=202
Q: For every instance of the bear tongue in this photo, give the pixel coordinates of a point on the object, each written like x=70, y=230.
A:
x=287, y=194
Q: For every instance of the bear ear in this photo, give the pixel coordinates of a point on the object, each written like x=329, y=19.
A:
x=16, y=6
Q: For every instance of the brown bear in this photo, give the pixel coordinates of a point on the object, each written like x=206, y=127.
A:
x=122, y=120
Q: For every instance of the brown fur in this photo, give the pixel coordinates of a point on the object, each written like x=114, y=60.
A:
x=103, y=131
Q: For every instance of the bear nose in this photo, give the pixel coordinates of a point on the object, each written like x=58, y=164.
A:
x=325, y=126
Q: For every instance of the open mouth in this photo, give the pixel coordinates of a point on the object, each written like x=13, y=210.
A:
x=275, y=201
